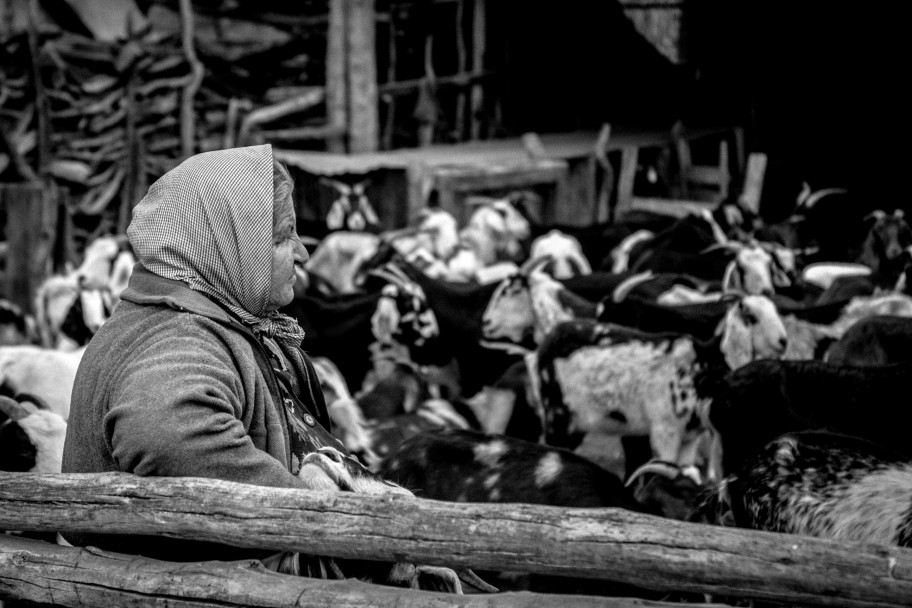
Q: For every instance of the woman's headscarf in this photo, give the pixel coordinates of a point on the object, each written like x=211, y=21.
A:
x=208, y=223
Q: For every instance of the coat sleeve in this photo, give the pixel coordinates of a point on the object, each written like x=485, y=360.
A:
x=176, y=410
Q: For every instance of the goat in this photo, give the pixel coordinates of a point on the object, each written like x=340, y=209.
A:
x=46, y=373
x=809, y=340
x=31, y=436
x=531, y=302
x=339, y=256
x=596, y=377
x=885, y=249
x=874, y=340
x=439, y=232
x=16, y=327
x=495, y=230
x=69, y=308
x=351, y=210
x=762, y=400
x=468, y=466
x=565, y=255
x=819, y=484
x=349, y=424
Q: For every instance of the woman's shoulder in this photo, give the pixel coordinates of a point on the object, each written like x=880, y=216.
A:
x=134, y=326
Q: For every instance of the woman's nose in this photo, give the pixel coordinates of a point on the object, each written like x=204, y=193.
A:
x=300, y=254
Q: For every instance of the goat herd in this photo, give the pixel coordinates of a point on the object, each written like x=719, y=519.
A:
x=713, y=367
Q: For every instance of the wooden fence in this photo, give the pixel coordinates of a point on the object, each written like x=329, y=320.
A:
x=607, y=544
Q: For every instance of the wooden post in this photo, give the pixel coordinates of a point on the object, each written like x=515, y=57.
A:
x=461, y=59
x=362, y=77
x=627, y=175
x=753, y=181
x=389, y=128
x=31, y=216
x=336, y=79
x=41, y=101
x=479, y=40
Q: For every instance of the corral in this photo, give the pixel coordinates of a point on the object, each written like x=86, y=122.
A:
x=602, y=304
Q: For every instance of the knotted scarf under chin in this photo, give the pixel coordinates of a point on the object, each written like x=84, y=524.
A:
x=279, y=327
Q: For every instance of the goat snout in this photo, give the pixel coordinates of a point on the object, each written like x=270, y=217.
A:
x=783, y=343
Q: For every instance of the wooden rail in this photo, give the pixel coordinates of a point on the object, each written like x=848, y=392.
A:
x=608, y=544
x=64, y=576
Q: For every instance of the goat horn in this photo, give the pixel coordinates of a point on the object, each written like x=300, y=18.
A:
x=621, y=292
x=473, y=580
x=392, y=235
x=660, y=467
x=730, y=245
x=508, y=347
x=384, y=274
x=534, y=263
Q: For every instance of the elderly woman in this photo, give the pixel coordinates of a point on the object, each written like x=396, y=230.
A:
x=196, y=373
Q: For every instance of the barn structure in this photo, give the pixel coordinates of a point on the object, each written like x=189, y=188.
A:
x=99, y=99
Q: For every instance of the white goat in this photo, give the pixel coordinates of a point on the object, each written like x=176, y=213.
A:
x=43, y=372
x=626, y=382
x=565, y=252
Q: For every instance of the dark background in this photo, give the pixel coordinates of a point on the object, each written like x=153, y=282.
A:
x=820, y=86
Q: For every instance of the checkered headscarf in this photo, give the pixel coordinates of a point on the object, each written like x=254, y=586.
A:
x=208, y=223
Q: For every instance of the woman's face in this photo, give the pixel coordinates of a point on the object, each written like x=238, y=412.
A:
x=286, y=251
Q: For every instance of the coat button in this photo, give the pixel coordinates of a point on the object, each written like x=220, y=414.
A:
x=309, y=419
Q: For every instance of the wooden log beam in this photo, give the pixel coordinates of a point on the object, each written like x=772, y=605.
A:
x=65, y=576
x=304, y=101
x=609, y=544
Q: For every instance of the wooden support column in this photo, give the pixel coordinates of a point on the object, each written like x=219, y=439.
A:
x=363, y=121
x=31, y=217
x=479, y=39
x=336, y=79
x=627, y=174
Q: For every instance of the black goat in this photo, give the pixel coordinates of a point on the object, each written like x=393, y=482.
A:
x=765, y=399
x=819, y=484
x=875, y=340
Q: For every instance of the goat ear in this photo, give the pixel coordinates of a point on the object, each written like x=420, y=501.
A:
x=731, y=282
x=16, y=410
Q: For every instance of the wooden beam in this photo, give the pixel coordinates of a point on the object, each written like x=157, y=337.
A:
x=608, y=544
x=363, y=118
x=753, y=181
x=626, y=177
x=49, y=574
x=669, y=206
x=336, y=80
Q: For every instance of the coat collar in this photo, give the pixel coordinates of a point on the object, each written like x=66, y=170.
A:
x=147, y=288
